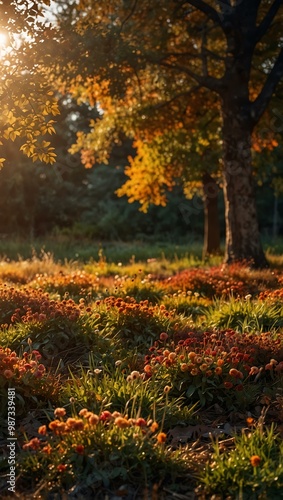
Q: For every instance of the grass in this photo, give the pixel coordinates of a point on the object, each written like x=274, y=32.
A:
x=142, y=373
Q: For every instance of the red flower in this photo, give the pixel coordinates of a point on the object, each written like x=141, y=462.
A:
x=80, y=449
x=61, y=467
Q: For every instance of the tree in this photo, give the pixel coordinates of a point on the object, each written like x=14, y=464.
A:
x=232, y=48
x=26, y=99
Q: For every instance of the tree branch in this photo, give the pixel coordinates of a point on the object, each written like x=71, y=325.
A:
x=267, y=20
x=211, y=83
x=187, y=93
x=129, y=15
x=261, y=102
x=209, y=11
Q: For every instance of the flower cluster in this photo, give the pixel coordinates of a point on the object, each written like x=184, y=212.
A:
x=272, y=296
x=236, y=279
x=78, y=428
x=77, y=283
x=48, y=309
x=19, y=367
x=130, y=307
x=13, y=299
x=206, y=363
x=132, y=321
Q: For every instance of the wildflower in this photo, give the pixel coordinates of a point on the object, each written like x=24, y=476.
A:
x=121, y=422
x=203, y=367
x=105, y=415
x=220, y=362
x=34, y=444
x=172, y=356
x=235, y=373
x=75, y=424
x=97, y=371
x=79, y=448
x=59, y=412
x=273, y=362
x=83, y=412
x=255, y=460
x=254, y=370
x=8, y=374
x=250, y=421
x=135, y=375
x=248, y=296
x=61, y=467
x=140, y=422
x=163, y=336
x=42, y=430
x=228, y=385
x=218, y=370
x=161, y=437
x=154, y=426
x=93, y=419
x=118, y=362
x=47, y=449
x=239, y=387
x=148, y=369
x=184, y=367
x=53, y=426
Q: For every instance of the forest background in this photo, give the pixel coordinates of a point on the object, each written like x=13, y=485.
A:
x=65, y=199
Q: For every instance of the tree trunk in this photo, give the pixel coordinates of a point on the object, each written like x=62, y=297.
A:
x=242, y=232
x=211, y=244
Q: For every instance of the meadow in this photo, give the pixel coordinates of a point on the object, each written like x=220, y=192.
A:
x=140, y=372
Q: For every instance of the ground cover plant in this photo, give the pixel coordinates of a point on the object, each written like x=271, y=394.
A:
x=142, y=379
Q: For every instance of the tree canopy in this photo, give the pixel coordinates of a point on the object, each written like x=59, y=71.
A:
x=27, y=100
x=157, y=72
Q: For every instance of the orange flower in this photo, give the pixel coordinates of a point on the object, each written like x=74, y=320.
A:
x=250, y=421
x=93, y=419
x=53, y=425
x=75, y=424
x=83, y=412
x=218, y=370
x=42, y=430
x=59, y=412
x=255, y=460
x=121, y=422
x=172, y=356
x=154, y=426
x=184, y=367
x=47, y=449
x=161, y=437
x=8, y=374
